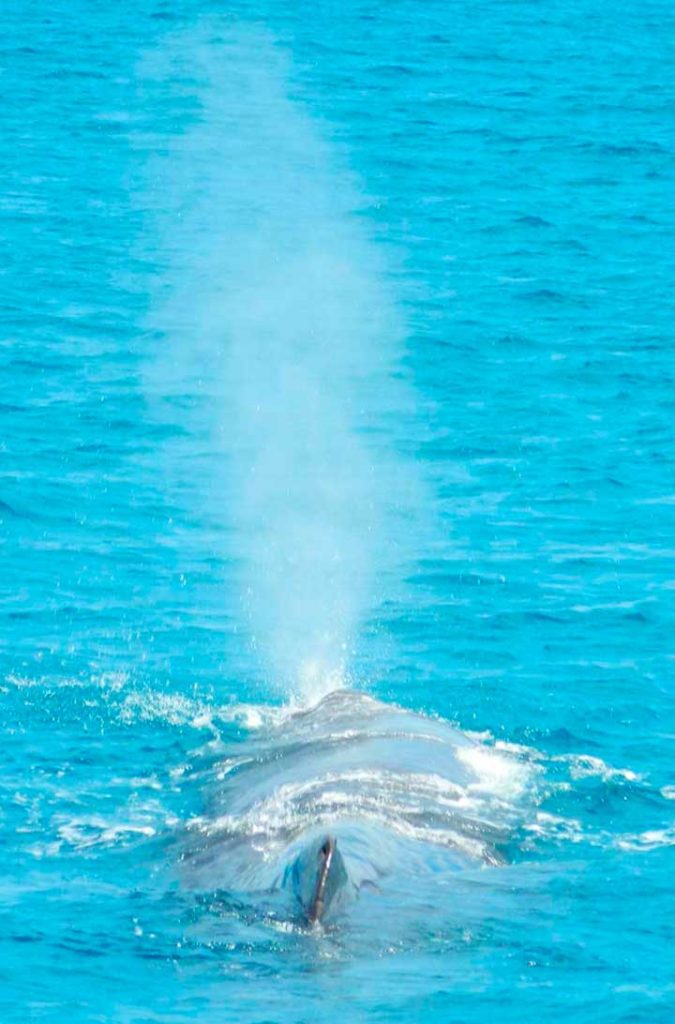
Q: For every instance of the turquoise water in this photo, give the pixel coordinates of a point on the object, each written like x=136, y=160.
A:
x=337, y=351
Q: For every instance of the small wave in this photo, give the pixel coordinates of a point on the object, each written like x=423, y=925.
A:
x=93, y=832
x=587, y=766
x=560, y=830
x=653, y=839
x=82, y=833
x=554, y=827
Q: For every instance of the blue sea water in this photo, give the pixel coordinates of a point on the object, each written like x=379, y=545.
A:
x=337, y=350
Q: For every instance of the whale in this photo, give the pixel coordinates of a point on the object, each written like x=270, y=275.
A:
x=328, y=802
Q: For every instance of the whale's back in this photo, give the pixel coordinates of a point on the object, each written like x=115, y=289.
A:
x=394, y=791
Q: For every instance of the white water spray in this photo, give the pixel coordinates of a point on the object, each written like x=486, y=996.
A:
x=275, y=315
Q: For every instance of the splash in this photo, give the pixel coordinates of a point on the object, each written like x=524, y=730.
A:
x=281, y=341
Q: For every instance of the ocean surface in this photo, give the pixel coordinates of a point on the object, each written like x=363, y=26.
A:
x=337, y=352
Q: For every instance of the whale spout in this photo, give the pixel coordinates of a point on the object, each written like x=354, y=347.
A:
x=318, y=878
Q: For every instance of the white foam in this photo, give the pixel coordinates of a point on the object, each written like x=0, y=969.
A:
x=149, y=705
x=652, y=839
x=112, y=682
x=93, y=830
x=553, y=826
x=587, y=766
x=500, y=776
